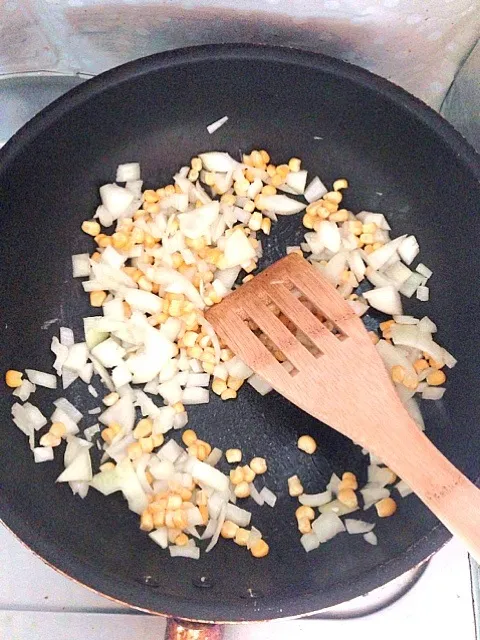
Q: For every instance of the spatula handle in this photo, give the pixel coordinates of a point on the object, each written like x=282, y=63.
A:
x=437, y=482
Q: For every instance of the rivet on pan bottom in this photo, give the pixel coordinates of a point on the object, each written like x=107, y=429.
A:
x=203, y=582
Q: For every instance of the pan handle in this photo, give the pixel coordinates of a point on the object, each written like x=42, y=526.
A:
x=187, y=630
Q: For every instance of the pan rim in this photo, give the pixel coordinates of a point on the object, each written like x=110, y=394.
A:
x=274, y=607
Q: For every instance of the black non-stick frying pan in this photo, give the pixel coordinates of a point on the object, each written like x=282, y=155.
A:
x=399, y=157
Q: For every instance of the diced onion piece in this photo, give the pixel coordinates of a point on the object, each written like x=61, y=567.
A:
x=185, y=552
x=315, y=190
x=160, y=537
x=81, y=265
x=25, y=389
x=89, y=432
x=121, y=413
x=214, y=457
x=336, y=507
x=198, y=380
x=174, y=282
x=378, y=258
x=403, y=488
x=77, y=357
x=171, y=451
x=143, y=301
x=411, y=336
x=42, y=379
x=216, y=534
x=372, y=494
x=378, y=218
x=238, y=249
x=268, y=496
x=109, y=353
x=238, y=369
x=218, y=161
x=380, y=476
x=433, y=393
x=409, y=249
x=310, y=541
x=117, y=200
x=358, y=526
x=198, y=222
x=424, y=271
x=33, y=415
x=327, y=526
x=211, y=128
x=297, y=180
x=398, y=273
x=43, y=454
x=405, y=320
x=59, y=415
x=239, y=516
x=315, y=499
x=210, y=476
x=255, y=495
x=427, y=326
x=409, y=287
x=259, y=384
x=333, y=484
x=86, y=373
x=385, y=299
x=280, y=205
x=423, y=294
x=128, y=172
x=79, y=470
x=195, y=395
x=371, y=538
x=329, y=235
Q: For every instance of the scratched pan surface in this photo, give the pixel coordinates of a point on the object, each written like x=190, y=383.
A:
x=399, y=157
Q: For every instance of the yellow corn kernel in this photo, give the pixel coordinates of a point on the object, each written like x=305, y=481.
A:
x=349, y=481
x=158, y=518
x=146, y=444
x=436, y=378
x=410, y=381
x=397, y=373
x=174, y=502
x=386, y=507
x=307, y=444
x=283, y=170
x=143, y=429
x=181, y=540
x=370, y=227
x=339, y=216
x=277, y=180
x=158, y=439
x=333, y=196
x=248, y=473
x=294, y=165
x=258, y=466
x=259, y=549
x=233, y=455
x=330, y=206
x=348, y=497
x=435, y=364
x=355, y=227
x=134, y=450
x=255, y=222
x=115, y=427
x=241, y=537
x=13, y=378
x=189, y=437
x=304, y=525
x=50, y=440
x=242, y=490
x=218, y=386
x=341, y=183
x=58, y=429
x=150, y=196
x=305, y=512
x=234, y=383
x=366, y=238
x=420, y=365
x=97, y=298
x=228, y=394
x=107, y=466
x=144, y=284
x=269, y=190
x=108, y=435
x=146, y=521
x=236, y=475
x=229, y=530
x=91, y=227
x=119, y=240
x=295, y=487
x=308, y=221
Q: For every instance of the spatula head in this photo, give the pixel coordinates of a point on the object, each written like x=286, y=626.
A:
x=291, y=327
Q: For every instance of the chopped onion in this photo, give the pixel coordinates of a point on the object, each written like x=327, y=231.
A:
x=61, y=353
x=239, y=516
x=259, y=384
x=405, y=320
x=372, y=494
x=195, y=395
x=198, y=380
x=171, y=451
x=281, y=205
x=378, y=258
x=127, y=172
x=89, y=432
x=268, y=496
x=24, y=390
x=143, y=301
x=77, y=357
x=185, y=552
x=33, y=415
x=315, y=190
x=424, y=271
x=315, y=499
x=210, y=476
x=378, y=218
x=309, y=541
x=423, y=294
x=358, y=526
x=409, y=249
x=121, y=413
x=217, y=161
x=385, y=299
x=238, y=249
x=198, y=222
x=403, y=488
x=87, y=372
x=329, y=235
x=59, y=415
x=117, y=200
x=79, y=470
x=327, y=526
x=336, y=507
x=109, y=353
x=409, y=287
x=43, y=454
x=216, y=535
x=175, y=282
x=297, y=180
x=333, y=484
x=411, y=336
x=380, y=476
x=427, y=326
x=160, y=537
x=238, y=369
x=371, y=538
x=433, y=393
x=256, y=496
x=398, y=273
x=214, y=457
x=211, y=128
x=209, y=529
x=81, y=265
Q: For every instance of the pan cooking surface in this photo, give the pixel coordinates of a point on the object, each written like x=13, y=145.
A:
x=399, y=158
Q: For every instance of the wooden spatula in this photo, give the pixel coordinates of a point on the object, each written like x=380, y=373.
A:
x=341, y=381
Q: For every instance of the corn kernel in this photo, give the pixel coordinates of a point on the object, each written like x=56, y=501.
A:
x=228, y=394
x=13, y=378
x=341, y=183
x=436, y=378
x=91, y=227
x=258, y=465
x=189, y=437
x=348, y=497
x=386, y=507
x=259, y=549
x=295, y=487
x=307, y=444
x=229, y=530
x=97, y=298
x=242, y=536
x=58, y=429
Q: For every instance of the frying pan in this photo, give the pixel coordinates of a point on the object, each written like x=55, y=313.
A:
x=400, y=158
